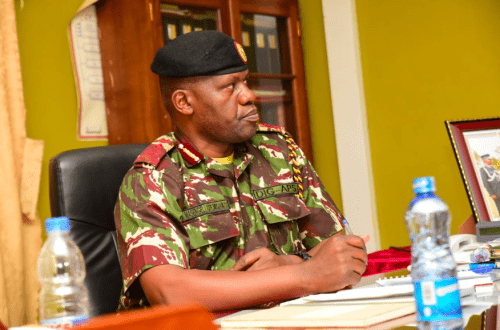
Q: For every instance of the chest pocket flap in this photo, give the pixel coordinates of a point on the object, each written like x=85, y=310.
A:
x=209, y=223
x=280, y=203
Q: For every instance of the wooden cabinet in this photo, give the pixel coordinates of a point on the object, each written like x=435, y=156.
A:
x=132, y=31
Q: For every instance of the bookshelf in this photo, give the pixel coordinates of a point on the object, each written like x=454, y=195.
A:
x=132, y=31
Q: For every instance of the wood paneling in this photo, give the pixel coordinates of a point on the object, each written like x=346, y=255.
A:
x=130, y=34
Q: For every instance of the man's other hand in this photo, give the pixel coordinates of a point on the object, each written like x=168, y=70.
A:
x=263, y=258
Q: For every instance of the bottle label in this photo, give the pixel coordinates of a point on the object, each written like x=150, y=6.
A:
x=65, y=322
x=438, y=300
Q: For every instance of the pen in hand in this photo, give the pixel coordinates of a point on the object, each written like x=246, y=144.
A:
x=349, y=232
x=347, y=228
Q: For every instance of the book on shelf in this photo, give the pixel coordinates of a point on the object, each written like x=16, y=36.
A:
x=261, y=43
x=248, y=41
x=262, y=51
x=274, y=51
x=177, y=21
x=186, y=27
x=204, y=21
x=170, y=28
x=267, y=44
x=198, y=23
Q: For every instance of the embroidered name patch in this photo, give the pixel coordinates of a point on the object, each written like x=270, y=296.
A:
x=287, y=188
x=202, y=209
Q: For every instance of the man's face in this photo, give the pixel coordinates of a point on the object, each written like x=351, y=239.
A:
x=487, y=161
x=224, y=109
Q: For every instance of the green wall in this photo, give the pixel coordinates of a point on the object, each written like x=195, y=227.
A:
x=49, y=86
x=50, y=94
x=319, y=99
x=424, y=62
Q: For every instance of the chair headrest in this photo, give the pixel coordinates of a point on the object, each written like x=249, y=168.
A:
x=84, y=183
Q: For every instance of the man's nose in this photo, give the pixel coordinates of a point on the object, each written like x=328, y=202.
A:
x=246, y=96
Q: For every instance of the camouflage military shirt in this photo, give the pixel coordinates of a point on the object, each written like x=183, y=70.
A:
x=177, y=206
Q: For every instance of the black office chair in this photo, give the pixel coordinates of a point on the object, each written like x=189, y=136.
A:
x=84, y=186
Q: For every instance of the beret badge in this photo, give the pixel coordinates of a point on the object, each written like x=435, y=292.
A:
x=240, y=50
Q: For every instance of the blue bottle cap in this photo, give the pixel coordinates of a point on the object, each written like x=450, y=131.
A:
x=424, y=185
x=58, y=223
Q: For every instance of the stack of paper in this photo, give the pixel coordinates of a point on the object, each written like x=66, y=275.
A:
x=398, y=293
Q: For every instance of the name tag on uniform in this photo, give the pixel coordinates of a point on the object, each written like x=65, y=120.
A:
x=287, y=188
x=206, y=208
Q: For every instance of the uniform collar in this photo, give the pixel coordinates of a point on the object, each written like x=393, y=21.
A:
x=241, y=161
x=187, y=150
x=193, y=156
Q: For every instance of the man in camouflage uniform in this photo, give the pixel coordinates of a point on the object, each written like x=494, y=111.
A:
x=225, y=211
x=491, y=179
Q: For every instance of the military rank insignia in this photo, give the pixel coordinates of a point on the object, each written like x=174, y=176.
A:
x=189, y=153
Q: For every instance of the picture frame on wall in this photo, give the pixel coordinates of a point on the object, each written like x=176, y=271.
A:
x=476, y=144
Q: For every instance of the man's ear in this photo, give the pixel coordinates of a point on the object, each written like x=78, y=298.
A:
x=180, y=101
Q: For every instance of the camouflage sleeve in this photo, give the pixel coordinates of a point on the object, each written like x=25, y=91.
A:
x=325, y=218
x=146, y=216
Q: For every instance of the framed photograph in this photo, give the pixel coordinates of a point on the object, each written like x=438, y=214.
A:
x=476, y=144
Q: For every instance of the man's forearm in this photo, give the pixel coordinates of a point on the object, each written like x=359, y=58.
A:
x=223, y=290
x=337, y=263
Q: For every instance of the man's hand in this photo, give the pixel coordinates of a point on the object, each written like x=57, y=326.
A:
x=494, y=196
x=264, y=258
x=338, y=263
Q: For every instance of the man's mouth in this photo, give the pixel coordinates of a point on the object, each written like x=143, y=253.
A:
x=252, y=116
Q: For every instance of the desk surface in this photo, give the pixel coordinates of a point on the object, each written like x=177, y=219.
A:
x=477, y=310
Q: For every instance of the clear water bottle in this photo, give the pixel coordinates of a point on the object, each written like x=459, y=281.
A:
x=433, y=269
x=63, y=297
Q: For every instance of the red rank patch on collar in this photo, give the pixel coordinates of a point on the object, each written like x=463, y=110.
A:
x=189, y=153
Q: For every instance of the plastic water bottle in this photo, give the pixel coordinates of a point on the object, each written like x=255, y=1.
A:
x=433, y=269
x=63, y=297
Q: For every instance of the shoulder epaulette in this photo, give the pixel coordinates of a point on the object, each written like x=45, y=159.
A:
x=271, y=128
x=155, y=152
x=280, y=130
x=292, y=149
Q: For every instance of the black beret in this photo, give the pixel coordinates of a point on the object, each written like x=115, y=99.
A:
x=485, y=156
x=200, y=53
